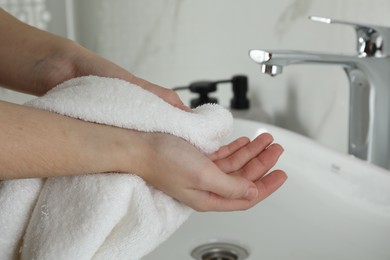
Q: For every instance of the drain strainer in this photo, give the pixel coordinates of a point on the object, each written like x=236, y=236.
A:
x=219, y=251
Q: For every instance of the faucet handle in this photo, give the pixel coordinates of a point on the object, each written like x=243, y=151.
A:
x=372, y=40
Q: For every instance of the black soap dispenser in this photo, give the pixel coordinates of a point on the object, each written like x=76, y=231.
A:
x=203, y=89
x=239, y=103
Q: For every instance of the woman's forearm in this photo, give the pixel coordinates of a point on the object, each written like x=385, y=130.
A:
x=31, y=58
x=37, y=143
x=34, y=61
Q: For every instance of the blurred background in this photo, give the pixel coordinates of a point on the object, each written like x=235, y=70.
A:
x=175, y=42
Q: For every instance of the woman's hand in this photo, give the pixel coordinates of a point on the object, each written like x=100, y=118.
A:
x=252, y=160
x=233, y=178
x=89, y=63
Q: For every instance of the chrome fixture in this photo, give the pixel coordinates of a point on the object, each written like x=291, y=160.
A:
x=369, y=78
x=219, y=251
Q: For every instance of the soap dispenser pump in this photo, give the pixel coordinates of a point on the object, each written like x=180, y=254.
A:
x=203, y=88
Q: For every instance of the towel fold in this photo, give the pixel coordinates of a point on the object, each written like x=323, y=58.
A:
x=102, y=216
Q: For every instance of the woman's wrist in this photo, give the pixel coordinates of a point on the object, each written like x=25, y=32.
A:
x=120, y=150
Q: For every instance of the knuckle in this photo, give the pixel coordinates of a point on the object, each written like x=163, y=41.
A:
x=236, y=165
x=265, y=162
x=270, y=158
x=232, y=193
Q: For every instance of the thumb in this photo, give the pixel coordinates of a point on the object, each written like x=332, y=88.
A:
x=230, y=186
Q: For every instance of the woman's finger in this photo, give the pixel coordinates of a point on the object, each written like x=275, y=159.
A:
x=166, y=94
x=261, y=164
x=242, y=156
x=229, y=149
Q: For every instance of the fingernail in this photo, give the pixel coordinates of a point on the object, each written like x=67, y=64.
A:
x=251, y=193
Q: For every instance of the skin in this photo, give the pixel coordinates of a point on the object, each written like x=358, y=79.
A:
x=38, y=143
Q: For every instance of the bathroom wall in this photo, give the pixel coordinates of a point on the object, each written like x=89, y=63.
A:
x=174, y=42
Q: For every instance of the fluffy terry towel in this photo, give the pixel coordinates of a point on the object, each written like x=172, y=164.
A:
x=102, y=216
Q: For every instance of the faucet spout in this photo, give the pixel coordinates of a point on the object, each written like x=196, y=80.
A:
x=271, y=59
x=369, y=110
x=271, y=70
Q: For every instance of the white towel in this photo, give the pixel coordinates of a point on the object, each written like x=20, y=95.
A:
x=102, y=216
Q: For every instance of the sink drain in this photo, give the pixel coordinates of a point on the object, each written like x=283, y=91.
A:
x=219, y=251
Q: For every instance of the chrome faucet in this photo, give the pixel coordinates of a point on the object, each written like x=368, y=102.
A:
x=369, y=78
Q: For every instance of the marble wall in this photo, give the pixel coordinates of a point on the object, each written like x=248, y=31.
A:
x=174, y=42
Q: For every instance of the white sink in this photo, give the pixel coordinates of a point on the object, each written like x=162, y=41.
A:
x=333, y=206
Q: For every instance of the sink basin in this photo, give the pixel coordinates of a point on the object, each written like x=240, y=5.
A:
x=333, y=206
